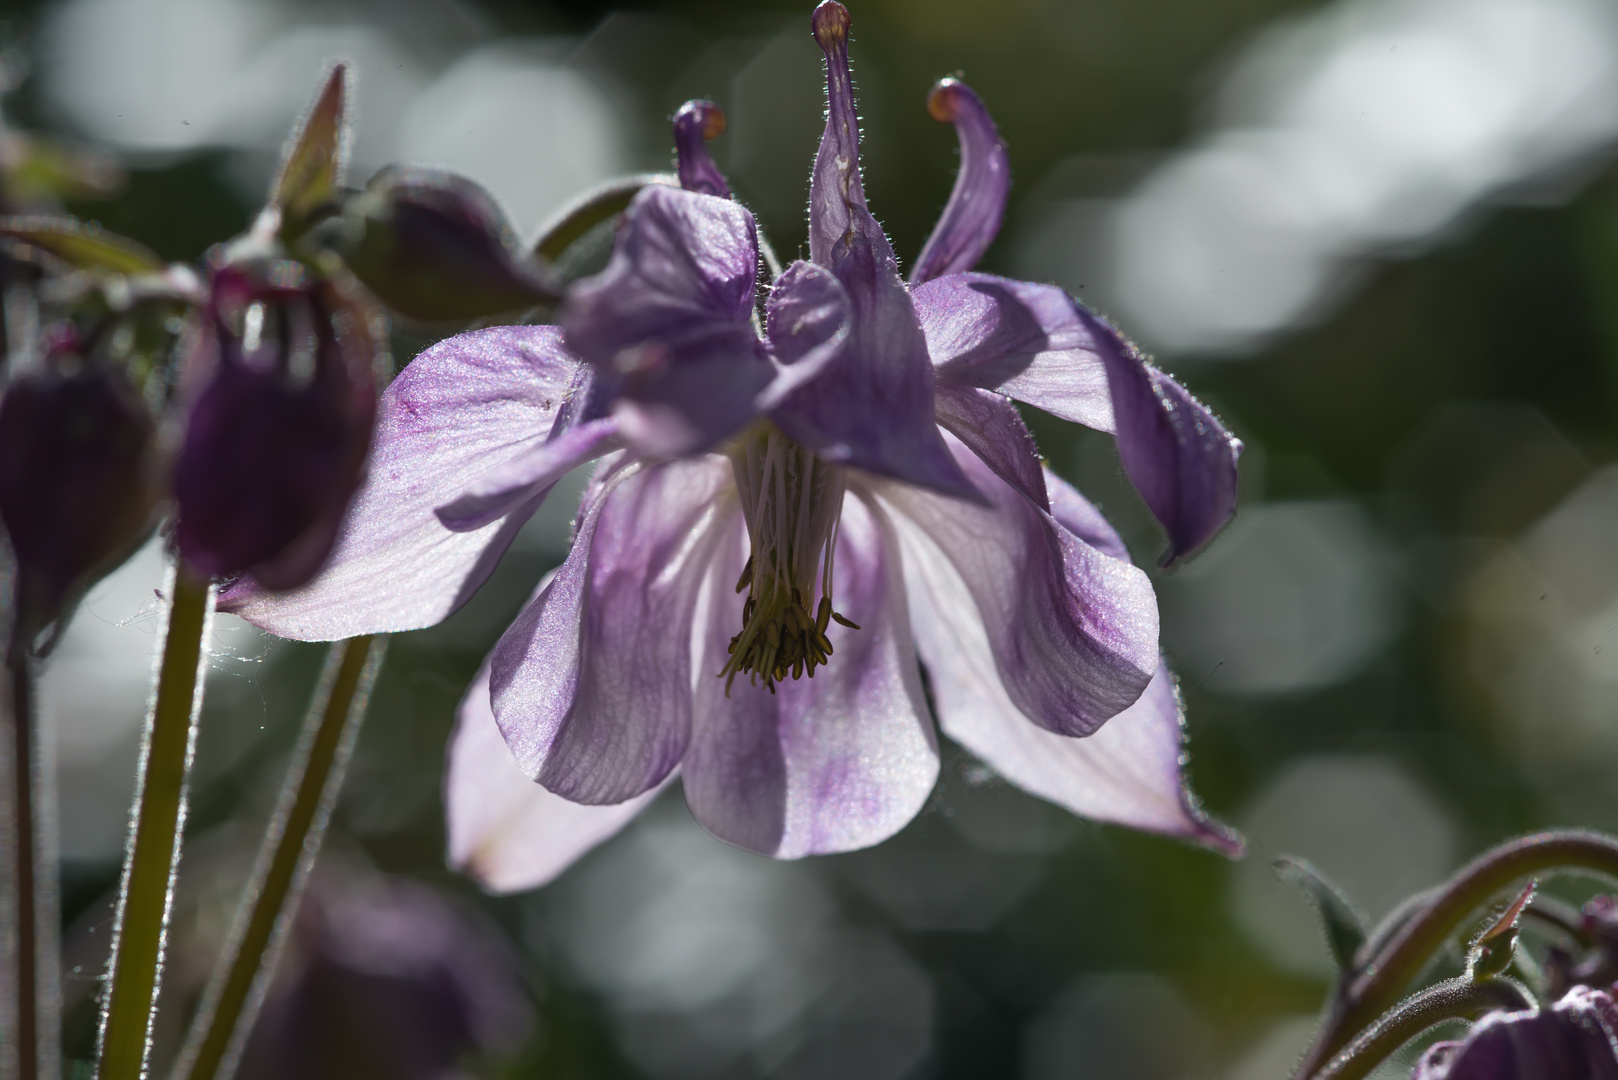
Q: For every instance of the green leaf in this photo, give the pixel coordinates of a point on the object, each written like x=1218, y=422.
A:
x=312, y=167
x=83, y=244
x=1345, y=930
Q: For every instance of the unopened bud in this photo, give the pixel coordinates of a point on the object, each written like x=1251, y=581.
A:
x=276, y=441
x=77, y=483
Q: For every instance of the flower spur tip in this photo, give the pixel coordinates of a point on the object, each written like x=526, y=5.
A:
x=701, y=116
x=831, y=23
x=944, y=100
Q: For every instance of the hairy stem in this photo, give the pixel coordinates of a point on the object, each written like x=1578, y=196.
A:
x=1454, y=999
x=33, y=882
x=153, y=852
x=314, y=777
x=1376, y=984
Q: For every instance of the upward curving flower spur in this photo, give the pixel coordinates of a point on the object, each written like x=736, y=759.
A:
x=794, y=509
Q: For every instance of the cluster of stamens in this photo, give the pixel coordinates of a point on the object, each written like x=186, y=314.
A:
x=792, y=502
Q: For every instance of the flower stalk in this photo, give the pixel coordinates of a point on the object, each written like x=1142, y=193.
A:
x=153, y=851
x=314, y=778
x=1459, y=998
x=34, y=898
x=1392, y=961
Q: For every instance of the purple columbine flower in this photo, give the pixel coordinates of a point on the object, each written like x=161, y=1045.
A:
x=796, y=509
x=1574, y=1039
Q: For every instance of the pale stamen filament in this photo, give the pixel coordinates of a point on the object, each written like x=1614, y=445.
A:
x=792, y=504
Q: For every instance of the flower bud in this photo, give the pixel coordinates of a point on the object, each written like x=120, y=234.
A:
x=1575, y=1039
x=384, y=980
x=76, y=480
x=275, y=443
x=435, y=247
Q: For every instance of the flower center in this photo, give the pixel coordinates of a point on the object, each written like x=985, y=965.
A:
x=792, y=502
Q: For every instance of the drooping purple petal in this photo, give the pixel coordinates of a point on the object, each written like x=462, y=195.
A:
x=1073, y=631
x=831, y=763
x=592, y=683
x=872, y=406
x=1038, y=345
x=971, y=218
x=695, y=125
x=506, y=832
x=530, y=473
x=669, y=320
x=1176, y=453
x=459, y=411
x=990, y=426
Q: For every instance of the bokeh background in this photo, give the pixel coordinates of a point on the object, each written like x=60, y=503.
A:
x=1380, y=237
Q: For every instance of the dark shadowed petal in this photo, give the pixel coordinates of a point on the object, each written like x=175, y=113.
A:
x=670, y=319
x=505, y=831
x=529, y=474
x=1575, y=1039
x=592, y=683
x=460, y=410
x=806, y=321
x=1036, y=344
x=831, y=763
x=695, y=125
x=972, y=216
x=873, y=405
x=1073, y=631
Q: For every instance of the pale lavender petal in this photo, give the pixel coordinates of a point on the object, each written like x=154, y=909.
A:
x=529, y=474
x=990, y=426
x=1130, y=771
x=592, y=683
x=831, y=763
x=669, y=319
x=1080, y=517
x=1073, y=631
x=971, y=218
x=1016, y=338
x=873, y=405
x=1036, y=344
x=506, y=832
x=463, y=408
x=695, y=124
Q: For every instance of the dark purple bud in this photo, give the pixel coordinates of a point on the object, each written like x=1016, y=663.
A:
x=385, y=980
x=77, y=481
x=1575, y=1039
x=276, y=441
x=436, y=248
x=695, y=125
x=971, y=218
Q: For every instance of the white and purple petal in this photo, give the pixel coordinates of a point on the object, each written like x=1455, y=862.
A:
x=506, y=832
x=1073, y=630
x=669, y=321
x=971, y=218
x=463, y=409
x=591, y=684
x=831, y=763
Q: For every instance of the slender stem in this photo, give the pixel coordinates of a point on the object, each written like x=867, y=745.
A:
x=23, y=1056
x=240, y=979
x=1374, y=988
x=1454, y=999
x=153, y=852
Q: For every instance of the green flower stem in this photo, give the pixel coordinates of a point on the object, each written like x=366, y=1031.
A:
x=1375, y=985
x=153, y=853
x=314, y=777
x=590, y=210
x=33, y=880
x=1454, y=999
